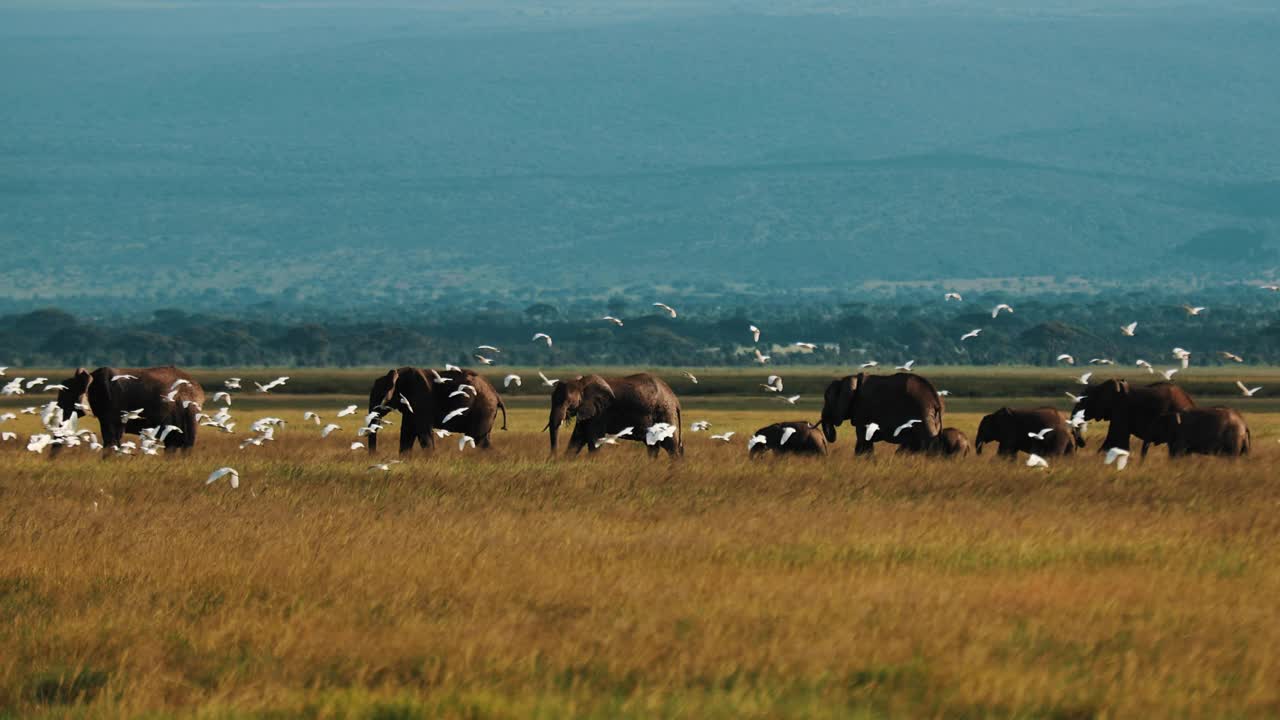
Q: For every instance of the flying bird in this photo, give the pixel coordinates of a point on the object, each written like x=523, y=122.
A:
x=1127, y=330
x=995, y=311
x=699, y=425
x=805, y=346
x=1119, y=456
x=1247, y=392
x=762, y=359
x=905, y=426
x=328, y=429
x=790, y=400
x=386, y=466
x=786, y=435
x=1183, y=355
x=1075, y=398
x=222, y=472
x=871, y=431
x=547, y=381
x=906, y=367
x=659, y=432
x=488, y=348
x=513, y=378
x=122, y=376
x=453, y=414
x=773, y=383
x=757, y=440
x=1168, y=374
x=1066, y=359
x=612, y=319
x=314, y=417
x=224, y=397
x=868, y=364
x=128, y=415
x=483, y=360
x=1036, y=461
x=542, y=336
x=450, y=367
x=1144, y=364
x=724, y=437
x=1084, y=379
x=1230, y=356
x=1040, y=435
x=348, y=410
x=231, y=383
x=357, y=445
x=755, y=333
x=405, y=402
x=278, y=382
x=952, y=296
x=1193, y=311
x=971, y=334
x=466, y=440
x=669, y=310
x=691, y=377
x=36, y=381
x=1101, y=361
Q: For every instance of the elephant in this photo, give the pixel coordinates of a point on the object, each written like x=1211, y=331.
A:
x=1013, y=430
x=950, y=443
x=805, y=439
x=430, y=397
x=889, y=401
x=111, y=392
x=1130, y=410
x=1202, y=431
x=605, y=406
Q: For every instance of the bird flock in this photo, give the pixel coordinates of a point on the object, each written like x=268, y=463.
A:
x=63, y=432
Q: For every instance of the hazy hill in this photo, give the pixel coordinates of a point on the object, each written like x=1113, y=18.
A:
x=565, y=145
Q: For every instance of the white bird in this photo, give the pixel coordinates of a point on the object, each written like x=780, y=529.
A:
x=542, y=336
x=1084, y=379
x=453, y=414
x=612, y=319
x=8, y=416
x=449, y=367
x=386, y=466
x=327, y=429
x=724, y=437
x=50, y=388
x=405, y=402
x=465, y=390
x=1101, y=361
x=868, y=364
x=1066, y=359
x=905, y=426
x=314, y=417
x=1183, y=355
x=952, y=296
x=348, y=410
x=357, y=445
x=871, y=431
x=166, y=432
x=791, y=400
x=483, y=360
x=128, y=415
x=222, y=472
x=441, y=433
x=1077, y=420
x=29, y=411
x=1119, y=456
x=1075, y=398
x=513, y=378
x=760, y=358
x=1192, y=311
x=13, y=387
x=944, y=393
x=171, y=396
x=773, y=383
x=179, y=383
x=231, y=383
x=464, y=441
x=757, y=440
x=906, y=367
x=440, y=378
x=1036, y=461
x=693, y=378
x=36, y=381
x=996, y=310
x=612, y=439
x=488, y=348
x=670, y=310
x=547, y=381
x=1168, y=374
x=7, y=436
x=1144, y=364
x=273, y=384
x=699, y=425
x=971, y=334
x=1230, y=356
x=1040, y=435
x=786, y=435
x=1127, y=330
x=755, y=333
x=1248, y=392
x=805, y=346
x=659, y=432
x=3, y=368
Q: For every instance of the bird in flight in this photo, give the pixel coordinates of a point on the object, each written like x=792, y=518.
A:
x=756, y=440
x=222, y=472
x=483, y=360
x=542, y=336
x=872, y=428
x=513, y=378
x=1040, y=435
x=488, y=348
x=348, y=410
x=699, y=425
x=1193, y=311
x=453, y=414
x=1144, y=364
x=868, y=364
x=328, y=429
x=1128, y=330
x=1230, y=356
x=1084, y=379
x=691, y=377
x=1036, y=461
x=547, y=381
x=612, y=319
x=1118, y=456
x=755, y=333
x=791, y=400
x=1183, y=355
x=760, y=358
x=786, y=435
x=1168, y=374
x=971, y=334
x=386, y=466
x=312, y=416
x=773, y=383
x=724, y=437
x=905, y=426
x=1066, y=359
x=278, y=382
x=995, y=311
x=1246, y=391
x=231, y=383
x=805, y=346
x=669, y=310
x=952, y=296
x=906, y=367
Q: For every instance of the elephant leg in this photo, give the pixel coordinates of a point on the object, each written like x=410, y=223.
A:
x=863, y=447
x=407, y=436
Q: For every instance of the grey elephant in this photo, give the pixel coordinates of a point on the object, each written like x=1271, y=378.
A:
x=950, y=443
x=1130, y=410
x=111, y=392
x=1202, y=431
x=801, y=438
x=1043, y=431
x=605, y=406
x=888, y=401
x=425, y=397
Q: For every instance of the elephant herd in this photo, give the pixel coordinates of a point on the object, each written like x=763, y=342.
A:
x=902, y=409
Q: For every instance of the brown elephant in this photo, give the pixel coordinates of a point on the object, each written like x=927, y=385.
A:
x=1130, y=410
x=605, y=406
x=1024, y=430
x=950, y=443
x=804, y=439
x=112, y=392
x=425, y=397
x=889, y=401
x=1202, y=431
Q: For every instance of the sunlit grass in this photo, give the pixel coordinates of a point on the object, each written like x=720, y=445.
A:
x=511, y=584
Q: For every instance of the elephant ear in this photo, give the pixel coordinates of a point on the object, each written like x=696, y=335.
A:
x=597, y=396
x=380, y=394
x=837, y=403
x=99, y=387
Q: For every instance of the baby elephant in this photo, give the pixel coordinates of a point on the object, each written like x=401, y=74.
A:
x=796, y=438
x=1043, y=431
x=1202, y=431
x=950, y=443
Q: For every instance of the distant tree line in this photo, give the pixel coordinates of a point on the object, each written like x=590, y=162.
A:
x=707, y=333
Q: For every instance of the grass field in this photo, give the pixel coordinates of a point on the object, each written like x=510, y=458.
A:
x=509, y=584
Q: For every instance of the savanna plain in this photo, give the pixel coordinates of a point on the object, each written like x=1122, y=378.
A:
x=511, y=584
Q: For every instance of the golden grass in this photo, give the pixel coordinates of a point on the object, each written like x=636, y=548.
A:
x=507, y=584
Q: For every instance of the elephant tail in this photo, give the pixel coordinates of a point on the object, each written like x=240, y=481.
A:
x=502, y=406
x=1248, y=441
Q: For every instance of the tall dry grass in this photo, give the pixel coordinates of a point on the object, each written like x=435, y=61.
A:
x=509, y=584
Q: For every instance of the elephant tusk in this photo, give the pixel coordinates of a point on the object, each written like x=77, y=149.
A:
x=546, y=427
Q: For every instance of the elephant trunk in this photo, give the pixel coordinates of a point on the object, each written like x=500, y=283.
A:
x=829, y=430
x=554, y=422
